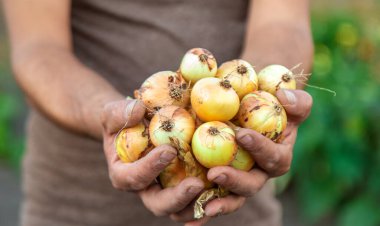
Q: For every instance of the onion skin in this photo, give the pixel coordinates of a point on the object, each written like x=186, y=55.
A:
x=171, y=121
x=243, y=160
x=262, y=112
x=131, y=143
x=213, y=102
x=164, y=88
x=173, y=174
x=241, y=74
x=218, y=149
x=197, y=120
x=198, y=63
x=184, y=165
x=275, y=77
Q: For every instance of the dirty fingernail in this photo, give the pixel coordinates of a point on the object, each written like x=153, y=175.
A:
x=246, y=139
x=290, y=96
x=167, y=156
x=194, y=189
x=220, y=179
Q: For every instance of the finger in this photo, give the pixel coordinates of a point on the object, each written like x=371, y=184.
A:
x=297, y=104
x=274, y=158
x=226, y=205
x=184, y=215
x=199, y=222
x=239, y=182
x=139, y=174
x=122, y=113
x=163, y=202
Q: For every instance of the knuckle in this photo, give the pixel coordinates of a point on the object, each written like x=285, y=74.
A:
x=272, y=162
x=134, y=183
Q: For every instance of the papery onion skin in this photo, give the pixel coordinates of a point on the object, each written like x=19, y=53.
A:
x=171, y=121
x=212, y=101
x=184, y=165
x=173, y=174
x=214, y=144
x=243, y=160
x=262, y=112
x=275, y=77
x=197, y=120
x=131, y=143
x=198, y=63
x=164, y=88
x=241, y=74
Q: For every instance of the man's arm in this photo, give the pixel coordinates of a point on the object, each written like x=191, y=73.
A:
x=46, y=69
x=79, y=99
x=278, y=32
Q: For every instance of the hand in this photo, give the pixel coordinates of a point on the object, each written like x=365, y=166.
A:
x=140, y=175
x=273, y=159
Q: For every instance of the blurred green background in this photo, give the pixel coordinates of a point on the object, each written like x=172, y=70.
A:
x=335, y=174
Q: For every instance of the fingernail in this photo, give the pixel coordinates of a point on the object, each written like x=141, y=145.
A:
x=194, y=189
x=246, y=139
x=167, y=156
x=290, y=96
x=220, y=179
x=129, y=108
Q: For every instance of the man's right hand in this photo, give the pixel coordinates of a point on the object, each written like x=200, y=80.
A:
x=140, y=175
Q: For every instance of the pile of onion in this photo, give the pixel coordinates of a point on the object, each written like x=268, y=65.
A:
x=198, y=109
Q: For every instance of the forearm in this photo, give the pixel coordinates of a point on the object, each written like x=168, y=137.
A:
x=62, y=88
x=278, y=32
x=280, y=44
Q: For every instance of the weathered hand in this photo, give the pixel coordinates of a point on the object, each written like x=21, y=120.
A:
x=140, y=175
x=273, y=159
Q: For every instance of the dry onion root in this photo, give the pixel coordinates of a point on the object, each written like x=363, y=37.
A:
x=275, y=77
x=262, y=112
x=198, y=63
x=214, y=99
x=131, y=143
x=205, y=198
x=241, y=75
x=163, y=89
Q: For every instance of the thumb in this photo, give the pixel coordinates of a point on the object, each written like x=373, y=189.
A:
x=297, y=104
x=122, y=113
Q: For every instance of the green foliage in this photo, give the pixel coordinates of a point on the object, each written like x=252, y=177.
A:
x=337, y=155
x=11, y=109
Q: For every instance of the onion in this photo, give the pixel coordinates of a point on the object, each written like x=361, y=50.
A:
x=198, y=63
x=214, y=99
x=132, y=142
x=275, y=77
x=243, y=160
x=171, y=122
x=163, y=89
x=214, y=144
x=241, y=74
x=261, y=111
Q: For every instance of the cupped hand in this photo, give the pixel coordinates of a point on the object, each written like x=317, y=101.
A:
x=140, y=175
x=273, y=159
